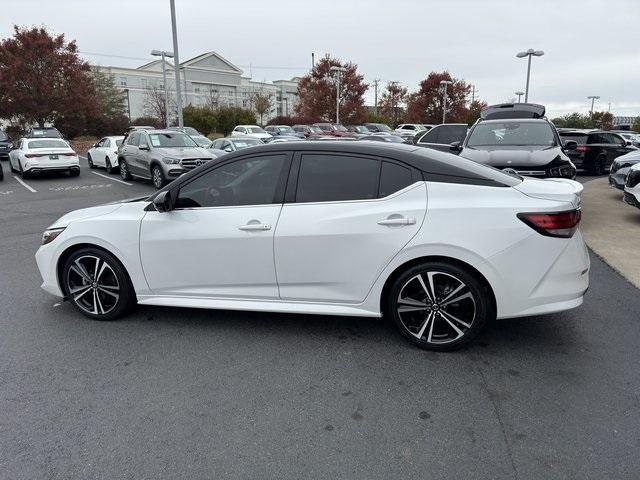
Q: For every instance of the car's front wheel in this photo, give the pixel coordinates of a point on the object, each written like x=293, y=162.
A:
x=439, y=306
x=107, y=165
x=90, y=161
x=97, y=284
x=157, y=177
x=124, y=170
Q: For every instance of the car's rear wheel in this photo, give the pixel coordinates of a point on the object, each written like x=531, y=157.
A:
x=97, y=284
x=157, y=177
x=11, y=167
x=124, y=170
x=598, y=166
x=90, y=161
x=439, y=306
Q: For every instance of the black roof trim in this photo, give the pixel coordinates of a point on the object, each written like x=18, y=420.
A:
x=512, y=110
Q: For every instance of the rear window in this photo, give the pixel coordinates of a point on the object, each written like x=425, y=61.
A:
x=511, y=134
x=579, y=139
x=240, y=144
x=48, y=143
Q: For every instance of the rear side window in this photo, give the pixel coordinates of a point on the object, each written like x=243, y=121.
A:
x=430, y=137
x=597, y=138
x=133, y=139
x=579, y=139
x=393, y=177
x=333, y=178
x=452, y=133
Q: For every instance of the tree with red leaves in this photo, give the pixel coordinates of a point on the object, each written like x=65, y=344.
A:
x=391, y=104
x=317, y=93
x=425, y=105
x=42, y=79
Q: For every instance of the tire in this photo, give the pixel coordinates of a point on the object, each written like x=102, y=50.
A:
x=107, y=165
x=74, y=173
x=598, y=167
x=13, y=170
x=124, y=170
x=97, y=284
x=90, y=161
x=443, y=325
x=157, y=177
x=23, y=174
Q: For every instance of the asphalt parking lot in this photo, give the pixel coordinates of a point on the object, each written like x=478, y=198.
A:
x=174, y=393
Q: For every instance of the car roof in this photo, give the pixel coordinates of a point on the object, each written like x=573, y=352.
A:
x=515, y=120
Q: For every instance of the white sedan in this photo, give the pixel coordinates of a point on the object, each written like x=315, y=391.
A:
x=439, y=244
x=105, y=153
x=250, y=131
x=36, y=155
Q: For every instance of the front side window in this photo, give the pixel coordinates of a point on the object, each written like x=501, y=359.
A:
x=430, y=137
x=255, y=130
x=333, y=178
x=106, y=143
x=511, y=134
x=133, y=139
x=171, y=140
x=250, y=181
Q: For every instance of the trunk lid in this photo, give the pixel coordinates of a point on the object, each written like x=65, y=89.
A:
x=558, y=189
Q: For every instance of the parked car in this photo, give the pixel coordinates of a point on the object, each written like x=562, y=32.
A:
x=378, y=127
x=409, y=129
x=282, y=131
x=384, y=138
x=1, y=172
x=43, y=132
x=250, y=131
x=282, y=138
x=159, y=155
x=517, y=136
x=140, y=127
x=620, y=168
x=358, y=130
x=631, y=138
x=232, y=144
x=334, y=129
x=5, y=145
x=36, y=155
x=441, y=136
x=197, y=137
x=309, y=131
x=632, y=186
x=596, y=150
x=440, y=269
x=104, y=153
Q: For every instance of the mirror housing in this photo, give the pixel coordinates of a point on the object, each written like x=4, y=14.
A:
x=455, y=146
x=228, y=149
x=144, y=146
x=570, y=145
x=162, y=202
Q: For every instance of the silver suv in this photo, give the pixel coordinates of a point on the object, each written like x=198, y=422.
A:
x=159, y=155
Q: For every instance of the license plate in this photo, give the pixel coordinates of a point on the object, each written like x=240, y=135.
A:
x=53, y=157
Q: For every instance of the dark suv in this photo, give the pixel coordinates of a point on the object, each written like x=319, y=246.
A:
x=5, y=146
x=441, y=136
x=596, y=150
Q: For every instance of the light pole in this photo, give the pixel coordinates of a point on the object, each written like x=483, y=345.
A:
x=176, y=65
x=519, y=95
x=163, y=54
x=593, y=98
x=126, y=90
x=445, y=83
x=338, y=72
x=529, y=53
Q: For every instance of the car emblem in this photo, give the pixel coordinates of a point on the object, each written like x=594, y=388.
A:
x=198, y=162
x=509, y=162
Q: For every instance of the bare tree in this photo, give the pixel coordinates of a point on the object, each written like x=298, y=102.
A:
x=212, y=100
x=154, y=104
x=261, y=103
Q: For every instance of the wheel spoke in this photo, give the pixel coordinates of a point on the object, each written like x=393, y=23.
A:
x=73, y=291
x=98, y=302
x=102, y=269
x=109, y=287
x=456, y=319
x=460, y=287
x=95, y=302
x=457, y=299
x=458, y=331
x=411, y=301
x=411, y=309
x=424, y=326
x=77, y=297
x=424, y=287
x=103, y=290
x=80, y=270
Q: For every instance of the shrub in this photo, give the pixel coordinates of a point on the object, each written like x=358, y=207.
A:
x=151, y=121
x=203, y=119
x=228, y=117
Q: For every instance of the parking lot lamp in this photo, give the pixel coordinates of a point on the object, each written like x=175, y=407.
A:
x=337, y=71
x=529, y=53
x=163, y=54
x=593, y=98
x=126, y=90
x=444, y=84
x=519, y=95
x=176, y=66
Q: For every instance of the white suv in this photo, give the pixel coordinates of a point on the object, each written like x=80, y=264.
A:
x=632, y=186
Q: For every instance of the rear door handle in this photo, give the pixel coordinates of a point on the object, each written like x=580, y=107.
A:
x=255, y=227
x=398, y=221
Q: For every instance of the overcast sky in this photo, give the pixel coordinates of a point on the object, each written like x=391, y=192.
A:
x=592, y=47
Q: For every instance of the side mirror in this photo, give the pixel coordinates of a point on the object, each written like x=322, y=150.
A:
x=455, y=146
x=162, y=202
x=144, y=146
x=628, y=142
x=570, y=145
x=228, y=149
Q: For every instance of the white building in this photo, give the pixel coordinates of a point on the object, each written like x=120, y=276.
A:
x=206, y=79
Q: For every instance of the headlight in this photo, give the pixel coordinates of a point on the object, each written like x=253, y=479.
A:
x=50, y=235
x=171, y=160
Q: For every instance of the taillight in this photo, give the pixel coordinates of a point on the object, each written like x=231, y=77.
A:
x=553, y=224
x=70, y=154
x=582, y=148
x=34, y=155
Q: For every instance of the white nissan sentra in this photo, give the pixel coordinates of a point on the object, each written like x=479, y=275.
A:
x=439, y=244
x=37, y=155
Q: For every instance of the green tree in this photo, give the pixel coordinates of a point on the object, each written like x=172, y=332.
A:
x=373, y=117
x=112, y=115
x=203, y=119
x=261, y=103
x=603, y=120
x=573, y=120
x=392, y=101
x=228, y=117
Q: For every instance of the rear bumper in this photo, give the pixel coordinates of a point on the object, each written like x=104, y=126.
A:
x=37, y=166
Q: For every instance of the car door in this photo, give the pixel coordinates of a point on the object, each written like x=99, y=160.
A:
x=345, y=217
x=621, y=147
x=142, y=159
x=130, y=149
x=218, y=240
x=100, y=152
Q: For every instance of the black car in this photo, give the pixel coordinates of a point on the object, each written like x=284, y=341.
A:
x=378, y=127
x=43, y=132
x=596, y=149
x=518, y=137
x=441, y=136
x=5, y=146
x=620, y=168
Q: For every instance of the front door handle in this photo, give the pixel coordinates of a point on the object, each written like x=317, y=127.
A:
x=250, y=227
x=397, y=221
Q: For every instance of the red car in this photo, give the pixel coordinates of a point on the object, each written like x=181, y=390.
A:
x=309, y=131
x=334, y=129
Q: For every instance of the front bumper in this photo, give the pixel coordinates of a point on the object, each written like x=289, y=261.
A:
x=631, y=199
x=617, y=180
x=46, y=260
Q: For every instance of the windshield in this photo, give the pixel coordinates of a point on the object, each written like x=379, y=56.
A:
x=191, y=131
x=246, y=142
x=255, y=130
x=50, y=143
x=340, y=128
x=316, y=129
x=171, y=140
x=286, y=129
x=201, y=141
x=382, y=127
x=512, y=134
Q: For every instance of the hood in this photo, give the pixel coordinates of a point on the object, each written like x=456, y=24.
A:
x=259, y=135
x=560, y=189
x=631, y=156
x=85, y=213
x=506, y=156
x=185, y=152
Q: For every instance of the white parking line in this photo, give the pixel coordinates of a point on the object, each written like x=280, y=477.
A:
x=32, y=190
x=111, y=178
